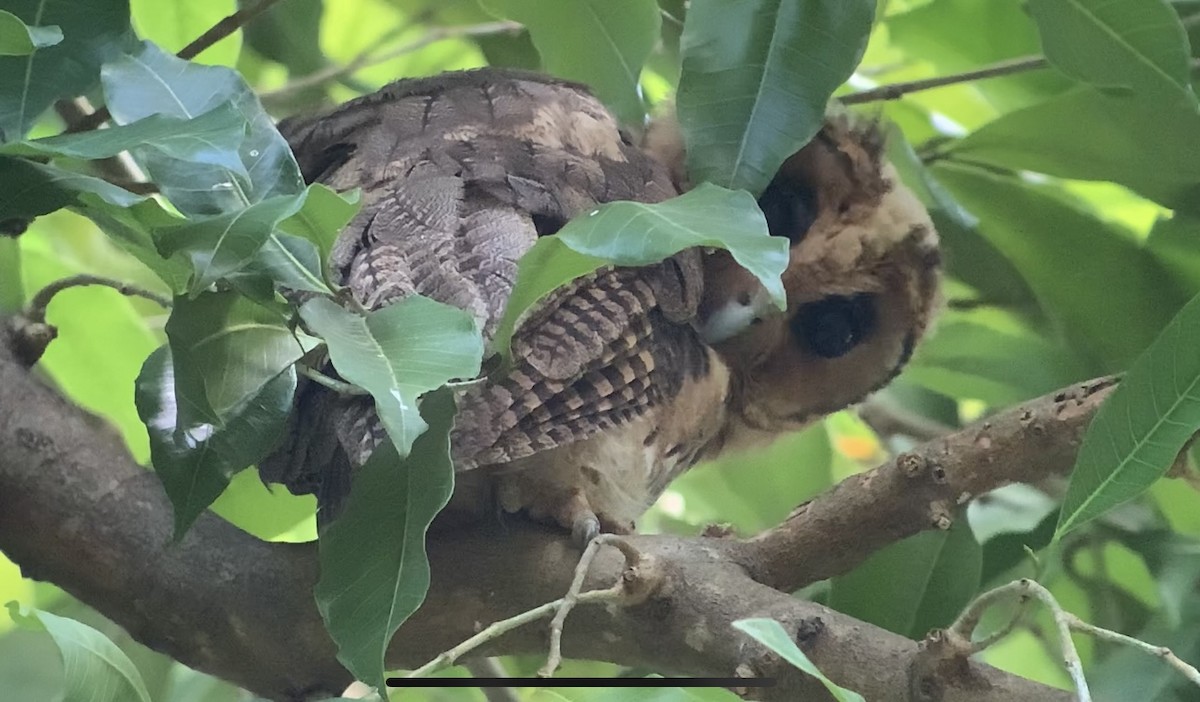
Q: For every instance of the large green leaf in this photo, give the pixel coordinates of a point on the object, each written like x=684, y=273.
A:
x=1087, y=134
x=289, y=33
x=771, y=634
x=987, y=354
x=913, y=585
x=602, y=43
x=969, y=256
x=261, y=167
x=29, y=189
x=132, y=229
x=19, y=39
x=213, y=137
x=756, y=78
x=1142, y=427
x=637, y=234
x=1043, y=235
x=1138, y=46
x=93, y=32
x=174, y=24
x=215, y=400
x=12, y=299
x=95, y=669
x=374, y=572
x=962, y=35
x=221, y=245
x=398, y=353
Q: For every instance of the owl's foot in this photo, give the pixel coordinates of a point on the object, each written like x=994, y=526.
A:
x=576, y=514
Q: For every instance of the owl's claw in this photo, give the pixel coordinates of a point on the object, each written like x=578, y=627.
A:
x=585, y=528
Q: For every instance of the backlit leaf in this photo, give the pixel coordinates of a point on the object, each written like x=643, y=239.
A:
x=1142, y=427
x=771, y=634
x=374, y=572
x=756, y=79
x=95, y=669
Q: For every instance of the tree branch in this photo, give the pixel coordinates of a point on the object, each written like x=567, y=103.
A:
x=922, y=489
x=75, y=510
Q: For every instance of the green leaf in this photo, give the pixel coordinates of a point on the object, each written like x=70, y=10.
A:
x=397, y=353
x=969, y=256
x=1134, y=45
x=771, y=634
x=1088, y=135
x=95, y=669
x=990, y=355
x=93, y=32
x=323, y=216
x=211, y=137
x=289, y=33
x=19, y=39
x=1042, y=235
x=12, y=299
x=173, y=24
x=914, y=585
x=132, y=228
x=962, y=35
x=29, y=189
x=638, y=234
x=221, y=245
x=602, y=43
x=262, y=167
x=216, y=399
x=756, y=79
x=1142, y=427
x=374, y=572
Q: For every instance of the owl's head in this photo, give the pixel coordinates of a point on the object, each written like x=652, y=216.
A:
x=862, y=284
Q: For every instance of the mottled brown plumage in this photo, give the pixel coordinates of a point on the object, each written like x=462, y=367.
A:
x=460, y=175
x=625, y=378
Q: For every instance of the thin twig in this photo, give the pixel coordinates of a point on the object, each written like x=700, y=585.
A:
x=370, y=58
x=965, y=625
x=37, y=306
x=339, y=386
x=212, y=35
x=554, y=657
x=1189, y=671
x=897, y=90
x=498, y=629
x=1024, y=589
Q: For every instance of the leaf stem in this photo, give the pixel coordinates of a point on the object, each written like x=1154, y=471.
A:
x=339, y=386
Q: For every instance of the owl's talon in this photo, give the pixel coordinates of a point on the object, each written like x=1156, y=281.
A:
x=585, y=528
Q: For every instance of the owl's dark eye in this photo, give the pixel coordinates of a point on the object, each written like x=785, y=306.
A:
x=831, y=327
x=790, y=208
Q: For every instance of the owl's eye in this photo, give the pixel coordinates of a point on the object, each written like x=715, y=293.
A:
x=831, y=327
x=789, y=207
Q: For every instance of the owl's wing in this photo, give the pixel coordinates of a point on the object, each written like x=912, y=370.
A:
x=460, y=175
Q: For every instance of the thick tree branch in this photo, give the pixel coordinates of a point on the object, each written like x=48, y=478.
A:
x=75, y=510
x=923, y=488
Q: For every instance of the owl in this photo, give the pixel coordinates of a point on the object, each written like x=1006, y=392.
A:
x=627, y=377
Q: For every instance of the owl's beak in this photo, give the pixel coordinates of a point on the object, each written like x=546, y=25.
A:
x=736, y=316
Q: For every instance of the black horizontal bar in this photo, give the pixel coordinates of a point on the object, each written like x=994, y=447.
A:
x=579, y=682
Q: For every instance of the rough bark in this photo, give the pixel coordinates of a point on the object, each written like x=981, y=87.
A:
x=75, y=510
